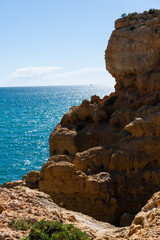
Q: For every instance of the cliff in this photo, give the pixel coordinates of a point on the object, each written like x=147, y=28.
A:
x=104, y=154
x=135, y=63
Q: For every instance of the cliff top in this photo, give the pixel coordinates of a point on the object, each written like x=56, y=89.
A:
x=135, y=63
x=136, y=18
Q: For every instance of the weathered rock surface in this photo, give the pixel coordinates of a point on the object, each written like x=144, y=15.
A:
x=32, y=179
x=20, y=202
x=132, y=55
x=146, y=224
x=33, y=205
x=104, y=154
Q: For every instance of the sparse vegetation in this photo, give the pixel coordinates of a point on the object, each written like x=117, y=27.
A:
x=151, y=11
x=20, y=224
x=129, y=14
x=45, y=230
x=124, y=15
x=133, y=14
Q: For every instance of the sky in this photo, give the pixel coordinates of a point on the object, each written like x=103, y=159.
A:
x=59, y=42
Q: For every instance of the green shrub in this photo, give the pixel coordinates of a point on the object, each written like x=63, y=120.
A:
x=134, y=13
x=45, y=230
x=20, y=224
x=152, y=10
x=123, y=15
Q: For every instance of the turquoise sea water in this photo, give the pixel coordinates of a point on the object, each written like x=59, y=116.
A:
x=27, y=117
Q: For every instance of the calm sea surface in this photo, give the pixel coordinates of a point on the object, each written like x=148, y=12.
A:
x=27, y=117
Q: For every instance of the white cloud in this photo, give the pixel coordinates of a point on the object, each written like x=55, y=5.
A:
x=76, y=72
x=46, y=76
x=32, y=71
x=90, y=75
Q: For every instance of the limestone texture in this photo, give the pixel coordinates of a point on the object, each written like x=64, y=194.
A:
x=105, y=154
x=135, y=62
x=146, y=224
x=20, y=202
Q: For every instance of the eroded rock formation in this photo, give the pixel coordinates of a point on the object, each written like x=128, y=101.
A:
x=132, y=55
x=146, y=224
x=105, y=153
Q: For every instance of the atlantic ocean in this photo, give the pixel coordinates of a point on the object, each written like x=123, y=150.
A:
x=27, y=117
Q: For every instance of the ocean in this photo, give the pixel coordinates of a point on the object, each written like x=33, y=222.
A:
x=27, y=117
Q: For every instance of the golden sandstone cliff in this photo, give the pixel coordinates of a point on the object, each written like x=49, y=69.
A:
x=105, y=154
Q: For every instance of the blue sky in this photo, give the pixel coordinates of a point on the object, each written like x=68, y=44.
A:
x=59, y=42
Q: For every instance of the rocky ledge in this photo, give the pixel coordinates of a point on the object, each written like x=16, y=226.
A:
x=104, y=154
x=20, y=202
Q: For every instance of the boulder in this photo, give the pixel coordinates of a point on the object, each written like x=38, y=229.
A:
x=31, y=179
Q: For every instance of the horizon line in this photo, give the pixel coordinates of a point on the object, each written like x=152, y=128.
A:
x=90, y=84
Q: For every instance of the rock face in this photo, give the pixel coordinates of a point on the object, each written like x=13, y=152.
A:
x=136, y=62
x=146, y=224
x=105, y=154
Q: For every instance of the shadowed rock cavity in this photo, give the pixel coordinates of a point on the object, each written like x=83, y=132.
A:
x=104, y=154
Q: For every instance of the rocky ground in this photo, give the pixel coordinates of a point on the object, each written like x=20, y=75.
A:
x=23, y=203
x=33, y=205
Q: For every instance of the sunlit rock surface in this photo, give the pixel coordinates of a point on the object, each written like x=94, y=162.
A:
x=105, y=154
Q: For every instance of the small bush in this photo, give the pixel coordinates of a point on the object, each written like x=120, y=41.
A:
x=134, y=13
x=123, y=15
x=45, y=230
x=152, y=10
x=20, y=224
